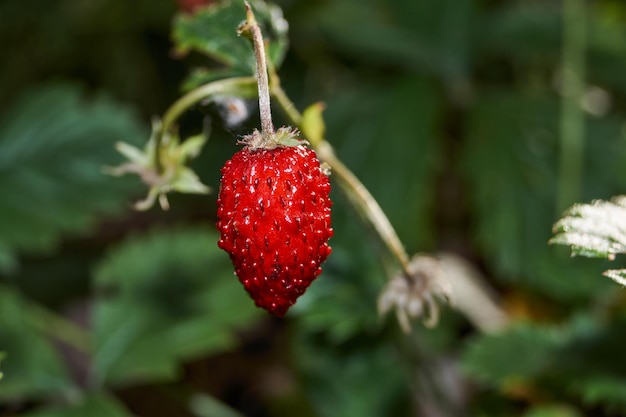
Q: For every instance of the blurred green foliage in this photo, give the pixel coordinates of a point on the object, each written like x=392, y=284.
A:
x=447, y=110
x=93, y=405
x=35, y=368
x=137, y=310
x=53, y=144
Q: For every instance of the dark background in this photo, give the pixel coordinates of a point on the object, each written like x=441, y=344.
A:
x=452, y=112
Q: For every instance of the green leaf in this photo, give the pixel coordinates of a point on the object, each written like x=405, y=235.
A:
x=518, y=354
x=595, y=230
x=515, y=136
x=386, y=134
x=213, y=31
x=363, y=377
x=534, y=30
x=530, y=35
x=591, y=365
x=165, y=297
x=607, y=51
x=609, y=391
x=32, y=368
x=429, y=36
x=53, y=144
x=94, y=405
x=581, y=358
x=342, y=301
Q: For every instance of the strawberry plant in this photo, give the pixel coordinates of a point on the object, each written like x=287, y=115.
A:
x=273, y=206
x=275, y=236
x=450, y=136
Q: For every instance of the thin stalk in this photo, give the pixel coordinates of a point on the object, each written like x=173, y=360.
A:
x=265, y=109
x=367, y=204
x=239, y=86
x=59, y=327
x=572, y=122
x=352, y=186
x=284, y=102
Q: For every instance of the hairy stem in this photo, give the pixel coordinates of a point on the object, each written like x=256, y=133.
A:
x=367, y=204
x=572, y=135
x=267, y=127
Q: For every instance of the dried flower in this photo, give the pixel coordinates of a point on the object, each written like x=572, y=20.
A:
x=169, y=173
x=416, y=294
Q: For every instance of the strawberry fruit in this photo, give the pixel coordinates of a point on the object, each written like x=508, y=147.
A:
x=274, y=220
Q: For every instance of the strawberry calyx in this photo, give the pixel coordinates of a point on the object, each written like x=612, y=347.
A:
x=285, y=136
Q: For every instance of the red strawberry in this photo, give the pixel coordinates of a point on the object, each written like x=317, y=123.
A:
x=274, y=220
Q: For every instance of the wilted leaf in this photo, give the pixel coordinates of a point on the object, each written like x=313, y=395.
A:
x=164, y=298
x=172, y=173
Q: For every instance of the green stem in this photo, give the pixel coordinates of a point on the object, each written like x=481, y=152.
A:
x=363, y=199
x=59, y=327
x=285, y=103
x=239, y=86
x=572, y=123
x=352, y=186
